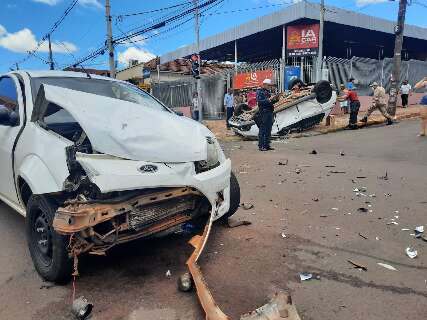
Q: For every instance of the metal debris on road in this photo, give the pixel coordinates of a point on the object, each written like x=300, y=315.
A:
x=247, y=206
x=387, y=266
x=81, y=308
x=411, y=252
x=357, y=265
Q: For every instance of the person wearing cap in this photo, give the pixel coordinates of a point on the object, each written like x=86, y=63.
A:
x=379, y=102
x=264, y=117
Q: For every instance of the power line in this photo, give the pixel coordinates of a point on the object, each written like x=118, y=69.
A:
x=247, y=9
x=156, y=26
x=153, y=11
x=52, y=29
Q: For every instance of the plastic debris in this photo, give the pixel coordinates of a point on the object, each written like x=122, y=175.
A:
x=419, y=229
x=81, y=308
x=405, y=229
x=387, y=266
x=411, y=252
x=283, y=163
x=185, y=282
x=168, y=274
x=392, y=222
x=283, y=235
x=304, y=276
x=247, y=206
x=335, y=209
x=357, y=265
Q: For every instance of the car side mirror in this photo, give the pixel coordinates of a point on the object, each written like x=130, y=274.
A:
x=8, y=117
x=179, y=113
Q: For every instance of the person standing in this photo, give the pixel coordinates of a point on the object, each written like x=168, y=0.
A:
x=379, y=102
x=343, y=103
x=265, y=114
x=351, y=96
x=229, y=105
x=423, y=103
x=350, y=84
x=195, y=107
x=405, y=91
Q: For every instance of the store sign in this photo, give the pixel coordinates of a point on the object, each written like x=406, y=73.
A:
x=302, y=40
x=251, y=79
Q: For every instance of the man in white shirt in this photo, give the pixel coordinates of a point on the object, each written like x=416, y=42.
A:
x=229, y=105
x=405, y=90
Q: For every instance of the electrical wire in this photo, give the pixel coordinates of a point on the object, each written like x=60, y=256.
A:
x=153, y=11
x=55, y=26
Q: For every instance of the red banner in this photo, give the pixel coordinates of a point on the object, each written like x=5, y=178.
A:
x=251, y=79
x=302, y=40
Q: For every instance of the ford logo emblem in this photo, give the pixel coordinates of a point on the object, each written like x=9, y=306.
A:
x=148, y=168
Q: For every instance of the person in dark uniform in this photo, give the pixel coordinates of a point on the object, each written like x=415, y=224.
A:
x=264, y=117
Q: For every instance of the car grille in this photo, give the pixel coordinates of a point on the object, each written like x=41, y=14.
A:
x=144, y=216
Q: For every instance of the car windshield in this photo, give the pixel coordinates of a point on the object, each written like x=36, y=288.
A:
x=111, y=89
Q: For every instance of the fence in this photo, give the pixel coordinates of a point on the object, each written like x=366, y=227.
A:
x=366, y=71
x=174, y=94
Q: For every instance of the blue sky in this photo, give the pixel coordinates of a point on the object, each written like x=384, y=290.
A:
x=24, y=22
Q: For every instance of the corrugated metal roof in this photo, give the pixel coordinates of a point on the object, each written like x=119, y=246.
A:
x=297, y=11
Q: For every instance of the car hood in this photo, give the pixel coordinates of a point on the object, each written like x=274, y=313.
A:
x=132, y=131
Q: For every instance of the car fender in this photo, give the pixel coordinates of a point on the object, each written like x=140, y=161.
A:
x=35, y=172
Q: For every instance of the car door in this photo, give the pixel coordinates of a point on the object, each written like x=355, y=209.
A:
x=11, y=97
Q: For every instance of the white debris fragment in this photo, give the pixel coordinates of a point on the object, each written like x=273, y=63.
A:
x=405, y=229
x=377, y=238
x=387, y=266
x=283, y=235
x=419, y=229
x=305, y=276
x=335, y=209
x=168, y=274
x=411, y=252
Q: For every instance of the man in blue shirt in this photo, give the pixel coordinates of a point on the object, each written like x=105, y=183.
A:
x=350, y=84
x=264, y=117
x=229, y=105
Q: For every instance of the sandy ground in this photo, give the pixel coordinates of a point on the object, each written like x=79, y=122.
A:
x=310, y=201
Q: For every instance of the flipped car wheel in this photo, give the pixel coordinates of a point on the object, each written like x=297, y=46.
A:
x=48, y=249
x=234, y=197
x=323, y=91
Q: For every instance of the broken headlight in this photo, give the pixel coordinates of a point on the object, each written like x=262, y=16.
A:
x=212, y=160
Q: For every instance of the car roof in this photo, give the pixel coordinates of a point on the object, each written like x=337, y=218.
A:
x=54, y=73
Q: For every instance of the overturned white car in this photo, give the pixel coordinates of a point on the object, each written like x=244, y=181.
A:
x=93, y=162
x=293, y=112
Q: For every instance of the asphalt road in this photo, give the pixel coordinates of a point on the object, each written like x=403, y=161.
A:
x=310, y=201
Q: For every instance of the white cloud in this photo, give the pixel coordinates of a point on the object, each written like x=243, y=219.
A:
x=84, y=3
x=2, y=30
x=91, y=3
x=133, y=53
x=48, y=2
x=24, y=40
x=361, y=3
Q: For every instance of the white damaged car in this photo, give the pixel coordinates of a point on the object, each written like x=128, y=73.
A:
x=93, y=162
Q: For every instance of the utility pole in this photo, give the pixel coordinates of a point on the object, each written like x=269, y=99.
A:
x=110, y=39
x=320, y=54
x=51, y=64
x=17, y=66
x=197, y=29
x=398, y=30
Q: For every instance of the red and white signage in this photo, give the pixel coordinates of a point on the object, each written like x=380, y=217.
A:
x=251, y=79
x=302, y=40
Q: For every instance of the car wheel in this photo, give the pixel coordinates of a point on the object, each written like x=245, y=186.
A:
x=48, y=249
x=323, y=91
x=234, y=197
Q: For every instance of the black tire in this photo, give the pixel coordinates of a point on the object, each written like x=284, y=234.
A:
x=234, y=197
x=323, y=91
x=48, y=249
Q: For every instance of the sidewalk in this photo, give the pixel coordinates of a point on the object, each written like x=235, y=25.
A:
x=338, y=122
